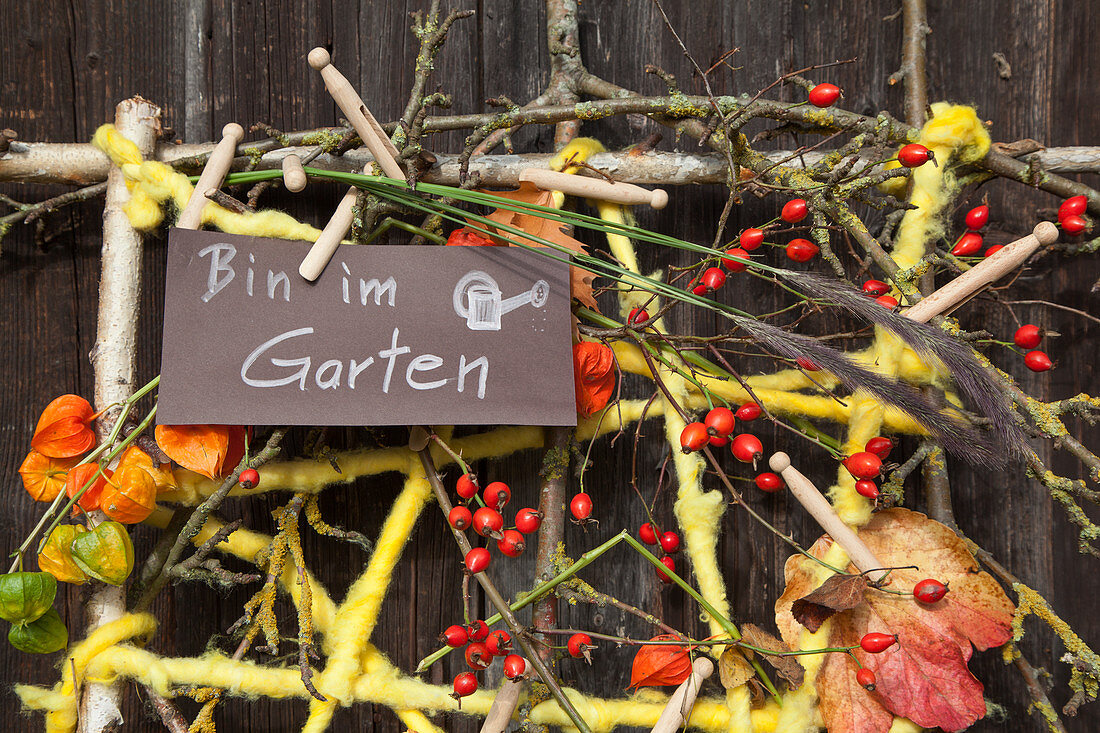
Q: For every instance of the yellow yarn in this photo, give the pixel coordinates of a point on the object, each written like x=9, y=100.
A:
x=154, y=185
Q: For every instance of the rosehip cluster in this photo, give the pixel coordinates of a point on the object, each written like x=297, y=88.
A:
x=482, y=647
x=1069, y=215
x=488, y=521
x=1027, y=337
x=669, y=542
x=970, y=243
x=867, y=465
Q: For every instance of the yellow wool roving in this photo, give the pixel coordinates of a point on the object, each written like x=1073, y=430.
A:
x=154, y=186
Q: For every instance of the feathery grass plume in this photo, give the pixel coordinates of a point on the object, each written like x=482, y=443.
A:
x=973, y=380
x=956, y=435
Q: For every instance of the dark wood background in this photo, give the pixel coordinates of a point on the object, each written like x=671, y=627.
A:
x=66, y=64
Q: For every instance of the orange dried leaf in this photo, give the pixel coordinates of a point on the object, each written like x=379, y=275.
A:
x=660, y=664
x=593, y=376
x=200, y=448
x=44, y=477
x=162, y=474
x=78, y=478
x=924, y=677
x=63, y=428
x=580, y=280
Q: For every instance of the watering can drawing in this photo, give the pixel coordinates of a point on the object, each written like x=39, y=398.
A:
x=478, y=299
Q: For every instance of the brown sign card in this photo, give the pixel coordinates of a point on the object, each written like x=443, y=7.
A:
x=388, y=335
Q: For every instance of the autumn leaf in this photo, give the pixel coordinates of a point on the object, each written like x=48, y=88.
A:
x=593, y=376
x=63, y=428
x=786, y=667
x=924, y=677
x=837, y=593
x=44, y=477
x=733, y=669
x=660, y=664
x=200, y=448
x=580, y=280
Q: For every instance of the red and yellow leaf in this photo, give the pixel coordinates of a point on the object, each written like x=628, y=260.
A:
x=63, y=429
x=660, y=664
x=44, y=477
x=924, y=677
x=593, y=376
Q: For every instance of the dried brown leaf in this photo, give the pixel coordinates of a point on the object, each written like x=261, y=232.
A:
x=733, y=669
x=838, y=593
x=786, y=667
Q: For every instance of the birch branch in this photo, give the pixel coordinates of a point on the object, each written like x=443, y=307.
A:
x=83, y=164
x=113, y=359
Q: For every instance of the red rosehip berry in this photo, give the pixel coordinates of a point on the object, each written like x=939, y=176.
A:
x=914, y=155
x=719, y=441
x=487, y=521
x=477, y=560
x=1073, y=206
x=497, y=494
x=637, y=317
x=465, y=684
x=929, y=590
x=736, y=265
x=499, y=643
x=993, y=250
x=769, y=482
x=720, y=421
x=478, y=656
x=460, y=518
x=824, y=95
x=807, y=364
x=751, y=239
x=455, y=636
x=802, y=250
x=977, y=217
x=714, y=278
x=693, y=437
x=670, y=542
x=794, y=211
x=1074, y=224
x=478, y=630
x=466, y=486
x=669, y=563
x=515, y=666
x=647, y=534
x=528, y=520
x=868, y=488
x=887, y=301
x=578, y=645
x=581, y=507
x=698, y=287
x=748, y=412
x=747, y=448
x=880, y=446
x=876, y=642
x=511, y=543
x=1038, y=361
x=866, y=678
x=1028, y=336
x=875, y=288
x=863, y=465
x=249, y=478
x=968, y=244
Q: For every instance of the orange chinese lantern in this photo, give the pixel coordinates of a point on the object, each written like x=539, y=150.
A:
x=44, y=477
x=130, y=496
x=212, y=450
x=162, y=474
x=63, y=430
x=593, y=376
x=81, y=475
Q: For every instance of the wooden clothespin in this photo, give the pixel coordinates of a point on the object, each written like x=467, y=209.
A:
x=294, y=175
x=217, y=165
x=821, y=510
x=331, y=236
x=371, y=133
x=504, y=706
x=989, y=270
x=594, y=188
x=678, y=708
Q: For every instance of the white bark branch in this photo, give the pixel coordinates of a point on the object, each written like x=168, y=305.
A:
x=113, y=359
x=82, y=164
